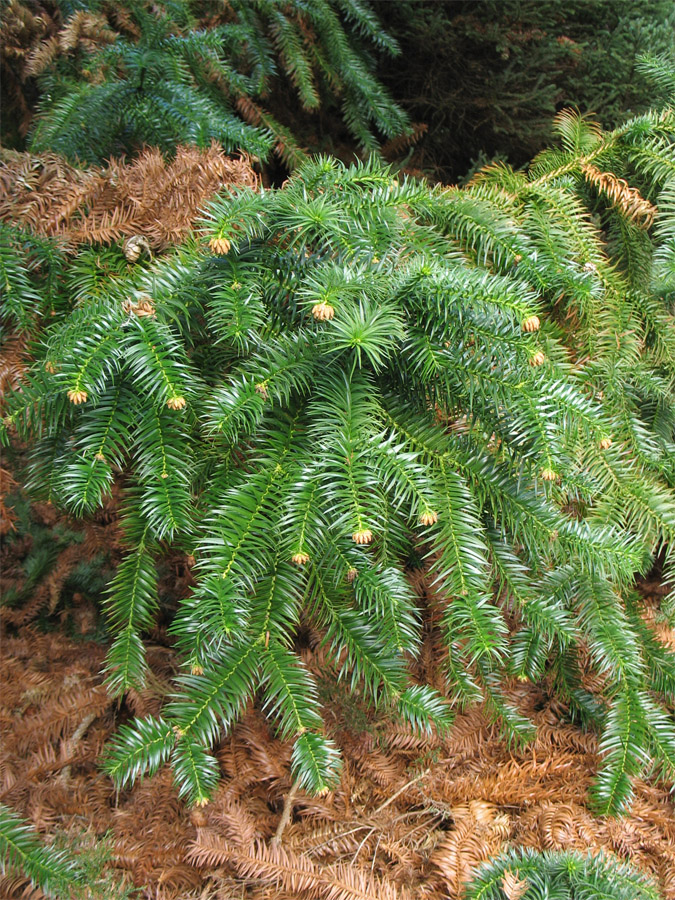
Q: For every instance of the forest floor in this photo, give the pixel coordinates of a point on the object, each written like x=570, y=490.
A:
x=411, y=816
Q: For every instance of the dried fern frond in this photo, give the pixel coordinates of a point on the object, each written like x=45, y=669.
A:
x=25, y=26
x=533, y=797
x=7, y=514
x=514, y=887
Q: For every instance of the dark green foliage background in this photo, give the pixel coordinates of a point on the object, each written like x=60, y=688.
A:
x=487, y=76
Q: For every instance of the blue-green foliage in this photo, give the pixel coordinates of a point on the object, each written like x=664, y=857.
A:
x=21, y=849
x=558, y=875
x=70, y=868
x=361, y=366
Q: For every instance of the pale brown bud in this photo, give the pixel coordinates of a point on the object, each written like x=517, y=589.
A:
x=145, y=306
x=364, y=536
x=538, y=359
x=531, y=324
x=134, y=246
x=605, y=443
x=220, y=246
x=50, y=367
x=352, y=574
x=196, y=669
x=197, y=818
x=548, y=475
x=176, y=402
x=429, y=518
x=77, y=397
x=323, y=312
x=262, y=390
x=300, y=558
x=100, y=457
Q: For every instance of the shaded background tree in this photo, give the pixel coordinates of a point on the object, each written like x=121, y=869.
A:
x=112, y=77
x=487, y=76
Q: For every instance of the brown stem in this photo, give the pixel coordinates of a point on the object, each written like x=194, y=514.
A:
x=285, y=814
x=72, y=743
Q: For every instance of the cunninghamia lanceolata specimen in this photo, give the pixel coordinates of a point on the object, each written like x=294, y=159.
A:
x=304, y=460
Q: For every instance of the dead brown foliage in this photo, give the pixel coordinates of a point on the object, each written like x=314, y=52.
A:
x=27, y=31
x=411, y=817
x=151, y=197
x=629, y=200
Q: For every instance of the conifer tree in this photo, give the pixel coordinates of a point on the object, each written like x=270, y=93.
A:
x=357, y=369
x=116, y=77
x=487, y=76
